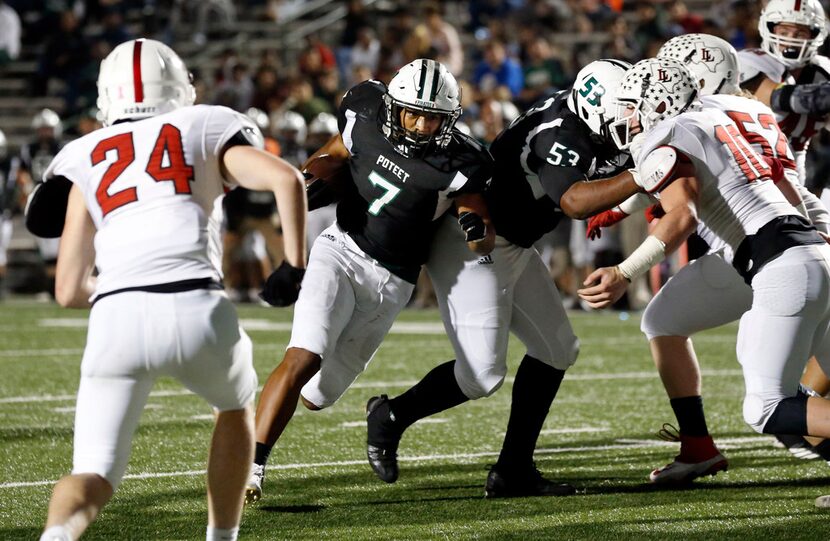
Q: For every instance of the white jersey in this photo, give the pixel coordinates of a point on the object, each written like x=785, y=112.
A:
x=756, y=122
x=735, y=198
x=798, y=128
x=153, y=188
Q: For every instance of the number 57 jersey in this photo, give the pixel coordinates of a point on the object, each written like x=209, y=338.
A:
x=153, y=188
x=736, y=195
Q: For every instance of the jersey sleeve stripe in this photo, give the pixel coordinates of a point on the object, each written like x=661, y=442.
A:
x=138, y=85
x=351, y=118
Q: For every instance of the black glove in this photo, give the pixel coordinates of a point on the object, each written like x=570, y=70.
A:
x=283, y=286
x=804, y=99
x=473, y=226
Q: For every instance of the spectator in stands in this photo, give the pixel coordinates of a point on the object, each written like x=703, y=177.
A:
x=317, y=57
x=366, y=51
x=543, y=72
x=650, y=27
x=327, y=87
x=355, y=19
x=238, y=91
x=596, y=11
x=497, y=69
x=443, y=39
x=302, y=100
x=684, y=22
x=114, y=32
x=65, y=55
x=266, y=89
x=622, y=44
x=9, y=34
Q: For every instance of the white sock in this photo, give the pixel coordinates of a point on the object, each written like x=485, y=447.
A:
x=219, y=534
x=56, y=533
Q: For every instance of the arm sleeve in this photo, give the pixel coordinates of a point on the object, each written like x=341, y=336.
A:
x=808, y=99
x=560, y=160
x=225, y=128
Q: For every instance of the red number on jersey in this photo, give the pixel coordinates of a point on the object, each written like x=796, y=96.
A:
x=124, y=156
x=747, y=159
x=177, y=171
x=766, y=122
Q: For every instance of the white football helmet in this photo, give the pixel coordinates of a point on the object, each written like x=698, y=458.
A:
x=422, y=85
x=712, y=60
x=142, y=78
x=653, y=90
x=259, y=117
x=47, y=118
x=793, y=52
x=291, y=123
x=323, y=124
x=593, y=93
x=4, y=146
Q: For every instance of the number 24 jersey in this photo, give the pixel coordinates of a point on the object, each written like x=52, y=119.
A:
x=153, y=188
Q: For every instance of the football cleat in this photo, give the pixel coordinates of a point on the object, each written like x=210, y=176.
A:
x=253, y=490
x=798, y=446
x=503, y=483
x=698, y=457
x=381, y=442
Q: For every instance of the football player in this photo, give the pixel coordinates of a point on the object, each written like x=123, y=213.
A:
x=9, y=201
x=147, y=191
x=544, y=161
x=408, y=167
x=789, y=75
x=703, y=170
x=709, y=290
x=34, y=158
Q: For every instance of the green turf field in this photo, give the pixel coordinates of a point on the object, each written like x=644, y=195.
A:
x=600, y=436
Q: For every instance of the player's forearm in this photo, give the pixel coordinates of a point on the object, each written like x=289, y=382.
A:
x=802, y=99
x=587, y=198
x=292, y=208
x=74, y=284
x=672, y=230
x=334, y=147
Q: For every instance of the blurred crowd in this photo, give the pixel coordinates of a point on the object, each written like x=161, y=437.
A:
x=507, y=54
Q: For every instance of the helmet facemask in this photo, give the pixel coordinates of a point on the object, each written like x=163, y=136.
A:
x=793, y=52
x=411, y=143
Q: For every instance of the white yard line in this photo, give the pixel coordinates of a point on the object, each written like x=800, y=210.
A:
x=623, y=444
x=383, y=385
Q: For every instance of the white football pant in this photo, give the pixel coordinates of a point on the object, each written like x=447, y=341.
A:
x=135, y=337
x=346, y=306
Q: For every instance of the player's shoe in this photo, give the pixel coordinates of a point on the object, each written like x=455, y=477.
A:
x=253, y=490
x=504, y=483
x=698, y=457
x=798, y=446
x=382, y=440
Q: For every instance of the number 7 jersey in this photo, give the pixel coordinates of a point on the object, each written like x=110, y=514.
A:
x=153, y=188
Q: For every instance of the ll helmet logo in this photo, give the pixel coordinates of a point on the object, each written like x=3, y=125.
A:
x=706, y=55
x=662, y=75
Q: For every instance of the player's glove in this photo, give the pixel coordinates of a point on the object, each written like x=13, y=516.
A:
x=283, y=286
x=654, y=212
x=473, y=226
x=605, y=218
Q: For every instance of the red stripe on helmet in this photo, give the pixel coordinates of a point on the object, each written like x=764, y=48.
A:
x=797, y=6
x=138, y=86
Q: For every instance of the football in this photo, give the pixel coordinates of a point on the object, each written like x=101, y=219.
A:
x=327, y=179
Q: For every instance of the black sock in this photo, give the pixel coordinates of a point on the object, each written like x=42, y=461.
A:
x=690, y=417
x=534, y=389
x=261, y=453
x=437, y=391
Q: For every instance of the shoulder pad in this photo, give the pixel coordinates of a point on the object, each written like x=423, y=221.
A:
x=753, y=62
x=657, y=168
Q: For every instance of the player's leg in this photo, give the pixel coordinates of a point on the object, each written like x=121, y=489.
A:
x=111, y=396
x=704, y=294
x=475, y=311
x=215, y=360
x=5, y=240
x=324, y=307
x=788, y=321
x=539, y=320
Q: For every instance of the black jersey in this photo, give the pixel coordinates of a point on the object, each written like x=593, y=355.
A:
x=537, y=158
x=9, y=192
x=392, y=212
x=35, y=157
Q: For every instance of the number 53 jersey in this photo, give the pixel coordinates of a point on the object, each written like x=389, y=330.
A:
x=153, y=188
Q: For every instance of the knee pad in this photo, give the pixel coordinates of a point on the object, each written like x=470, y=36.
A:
x=776, y=415
x=481, y=385
x=789, y=417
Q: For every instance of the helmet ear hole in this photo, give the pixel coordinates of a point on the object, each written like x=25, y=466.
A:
x=584, y=113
